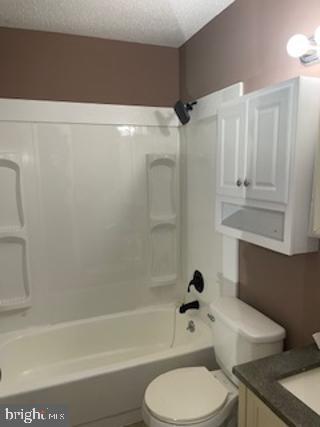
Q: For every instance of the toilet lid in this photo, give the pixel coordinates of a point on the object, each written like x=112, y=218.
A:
x=185, y=395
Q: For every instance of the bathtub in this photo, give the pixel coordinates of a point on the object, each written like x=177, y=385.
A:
x=100, y=367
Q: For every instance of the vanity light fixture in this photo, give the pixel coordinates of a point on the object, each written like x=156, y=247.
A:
x=307, y=49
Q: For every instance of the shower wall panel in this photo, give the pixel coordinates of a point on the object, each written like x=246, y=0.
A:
x=86, y=212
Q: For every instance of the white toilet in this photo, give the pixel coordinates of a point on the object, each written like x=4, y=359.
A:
x=197, y=397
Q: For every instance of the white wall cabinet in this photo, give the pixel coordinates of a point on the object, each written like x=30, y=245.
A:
x=231, y=149
x=269, y=124
x=266, y=146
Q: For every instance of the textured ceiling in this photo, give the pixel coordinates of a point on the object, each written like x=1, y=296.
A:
x=160, y=22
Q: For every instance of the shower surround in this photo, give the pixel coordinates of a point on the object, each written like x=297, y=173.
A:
x=86, y=229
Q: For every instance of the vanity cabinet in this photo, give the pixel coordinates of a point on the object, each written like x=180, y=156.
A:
x=265, y=159
x=254, y=413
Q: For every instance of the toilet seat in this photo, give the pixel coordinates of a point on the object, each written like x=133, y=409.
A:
x=185, y=396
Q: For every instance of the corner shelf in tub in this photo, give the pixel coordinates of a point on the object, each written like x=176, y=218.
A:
x=14, y=266
x=163, y=219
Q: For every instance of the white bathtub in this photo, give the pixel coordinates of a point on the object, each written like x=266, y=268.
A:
x=101, y=366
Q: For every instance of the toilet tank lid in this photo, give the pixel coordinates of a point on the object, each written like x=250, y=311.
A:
x=247, y=321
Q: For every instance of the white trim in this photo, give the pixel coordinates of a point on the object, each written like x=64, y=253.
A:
x=24, y=110
x=230, y=259
x=208, y=105
x=21, y=110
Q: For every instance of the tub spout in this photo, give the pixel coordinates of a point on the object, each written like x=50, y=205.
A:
x=184, y=307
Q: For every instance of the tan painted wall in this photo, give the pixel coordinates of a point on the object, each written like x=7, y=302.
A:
x=39, y=65
x=247, y=42
x=287, y=289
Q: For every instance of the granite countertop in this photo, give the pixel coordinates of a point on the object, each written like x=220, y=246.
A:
x=261, y=376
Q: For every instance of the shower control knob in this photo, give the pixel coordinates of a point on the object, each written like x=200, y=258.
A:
x=197, y=281
x=239, y=182
x=246, y=183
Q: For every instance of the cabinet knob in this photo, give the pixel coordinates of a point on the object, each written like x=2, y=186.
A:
x=246, y=183
x=239, y=182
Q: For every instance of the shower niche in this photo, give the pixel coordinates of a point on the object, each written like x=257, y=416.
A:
x=163, y=218
x=11, y=214
x=14, y=268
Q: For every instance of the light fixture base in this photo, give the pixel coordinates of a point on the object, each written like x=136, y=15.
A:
x=310, y=59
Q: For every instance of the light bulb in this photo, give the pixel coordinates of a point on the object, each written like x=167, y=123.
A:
x=317, y=36
x=298, y=45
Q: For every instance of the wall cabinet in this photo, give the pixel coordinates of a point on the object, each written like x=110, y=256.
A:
x=265, y=156
x=231, y=150
x=269, y=124
x=254, y=413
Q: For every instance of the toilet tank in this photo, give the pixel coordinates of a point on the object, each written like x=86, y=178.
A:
x=241, y=334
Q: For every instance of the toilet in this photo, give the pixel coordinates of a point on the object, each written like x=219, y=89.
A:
x=198, y=397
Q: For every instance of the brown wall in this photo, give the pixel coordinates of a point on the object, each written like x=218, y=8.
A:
x=39, y=65
x=247, y=42
x=287, y=289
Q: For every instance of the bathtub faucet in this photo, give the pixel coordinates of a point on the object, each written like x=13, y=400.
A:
x=184, y=307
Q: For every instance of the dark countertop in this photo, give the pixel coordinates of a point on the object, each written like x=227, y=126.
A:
x=261, y=376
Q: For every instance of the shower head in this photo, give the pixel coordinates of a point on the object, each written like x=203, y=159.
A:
x=182, y=110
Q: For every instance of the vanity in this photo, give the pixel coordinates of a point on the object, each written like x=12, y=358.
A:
x=281, y=390
x=254, y=413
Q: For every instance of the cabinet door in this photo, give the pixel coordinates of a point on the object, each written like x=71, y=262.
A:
x=259, y=415
x=269, y=137
x=231, y=149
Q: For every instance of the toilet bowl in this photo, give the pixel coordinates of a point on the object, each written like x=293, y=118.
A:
x=190, y=397
x=197, y=397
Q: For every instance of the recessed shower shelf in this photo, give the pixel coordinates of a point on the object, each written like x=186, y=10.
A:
x=164, y=280
x=14, y=278
x=14, y=266
x=15, y=304
x=11, y=213
x=169, y=159
x=163, y=219
x=13, y=232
